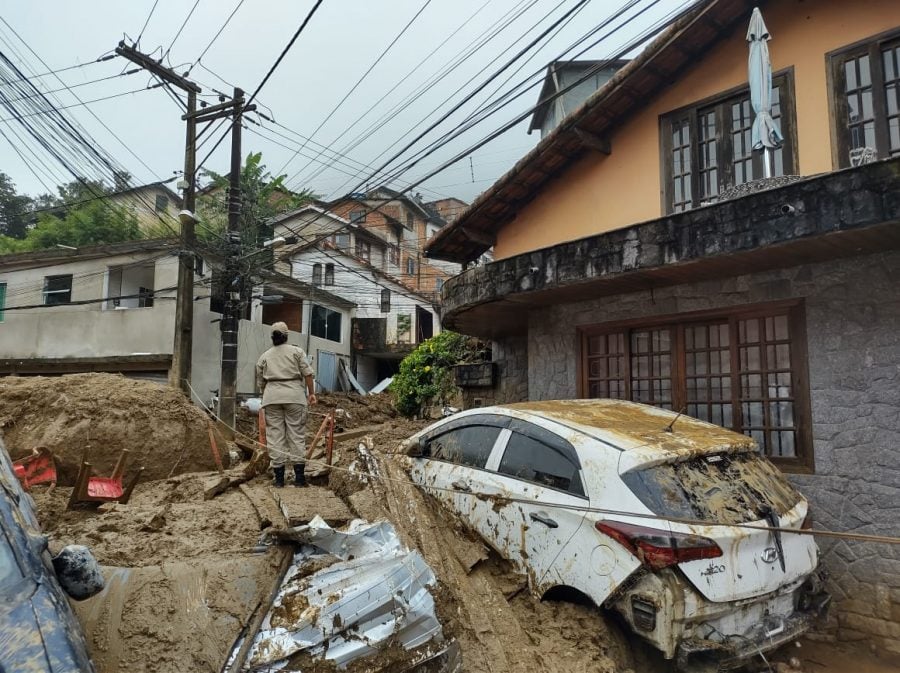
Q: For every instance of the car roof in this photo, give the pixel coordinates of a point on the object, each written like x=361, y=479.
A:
x=630, y=426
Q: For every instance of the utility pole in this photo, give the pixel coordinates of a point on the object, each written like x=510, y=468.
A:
x=182, y=347
x=233, y=285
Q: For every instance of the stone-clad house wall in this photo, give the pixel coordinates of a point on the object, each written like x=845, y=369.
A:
x=853, y=335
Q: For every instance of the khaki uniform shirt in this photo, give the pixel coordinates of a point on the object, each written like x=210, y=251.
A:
x=280, y=374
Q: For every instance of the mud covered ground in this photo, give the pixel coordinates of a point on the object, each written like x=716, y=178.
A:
x=98, y=415
x=183, y=581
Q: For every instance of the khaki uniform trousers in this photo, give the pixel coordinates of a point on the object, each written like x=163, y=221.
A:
x=286, y=433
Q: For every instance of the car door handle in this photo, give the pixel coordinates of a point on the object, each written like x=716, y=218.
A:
x=461, y=486
x=544, y=519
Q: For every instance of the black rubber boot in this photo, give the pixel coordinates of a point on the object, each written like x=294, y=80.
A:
x=279, y=477
x=299, y=477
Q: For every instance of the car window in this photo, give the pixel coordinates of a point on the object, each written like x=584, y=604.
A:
x=532, y=460
x=468, y=445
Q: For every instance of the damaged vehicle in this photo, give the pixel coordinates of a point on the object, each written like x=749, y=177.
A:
x=38, y=629
x=679, y=526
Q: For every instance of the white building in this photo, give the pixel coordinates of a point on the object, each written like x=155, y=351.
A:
x=353, y=262
x=112, y=308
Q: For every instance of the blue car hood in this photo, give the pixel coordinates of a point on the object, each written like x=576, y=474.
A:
x=36, y=638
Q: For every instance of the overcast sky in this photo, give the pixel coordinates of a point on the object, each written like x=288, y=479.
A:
x=343, y=40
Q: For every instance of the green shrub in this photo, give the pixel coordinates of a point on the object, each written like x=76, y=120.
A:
x=426, y=374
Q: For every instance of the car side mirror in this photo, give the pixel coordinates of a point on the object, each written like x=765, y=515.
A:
x=78, y=572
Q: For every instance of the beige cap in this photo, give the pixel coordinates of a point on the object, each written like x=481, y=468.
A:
x=280, y=327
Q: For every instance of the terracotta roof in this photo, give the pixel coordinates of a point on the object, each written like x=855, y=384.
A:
x=635, y=85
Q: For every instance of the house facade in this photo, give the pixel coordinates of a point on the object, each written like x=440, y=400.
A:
x=405, y=224
x=642, y=255
x=389, y=318
x=155, y=206
x=111, y=308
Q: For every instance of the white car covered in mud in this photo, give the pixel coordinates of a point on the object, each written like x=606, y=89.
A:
x=676, y=524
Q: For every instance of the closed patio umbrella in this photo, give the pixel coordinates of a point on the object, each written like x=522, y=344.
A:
x=766, y=134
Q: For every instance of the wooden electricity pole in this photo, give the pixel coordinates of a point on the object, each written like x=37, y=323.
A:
x=233, y=285
x=182, y=347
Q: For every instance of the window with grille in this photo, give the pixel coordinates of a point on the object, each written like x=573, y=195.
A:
x=342, y=241
x=329, y=274
x=866, y=100
x=162, y=203
x=357, y=216
x=744, y=370
x=385, y=301
x=317, y=274
x=706, y=148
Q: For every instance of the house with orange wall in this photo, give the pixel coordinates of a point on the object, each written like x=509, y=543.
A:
x=640, y=253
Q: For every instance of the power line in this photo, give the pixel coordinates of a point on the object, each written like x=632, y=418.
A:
x=480, y=41
x=144, y=27
x=178, y=34
x=108, y=57
x=360, y=80
x=82, y=103
x=75, y=86
x=265, y=79
x=216, y=36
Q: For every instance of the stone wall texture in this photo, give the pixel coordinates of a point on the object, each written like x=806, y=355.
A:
x=853, y=328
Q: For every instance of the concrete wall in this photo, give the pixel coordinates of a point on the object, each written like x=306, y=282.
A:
x=853, y=326
x=86, y=330
x=602, y=193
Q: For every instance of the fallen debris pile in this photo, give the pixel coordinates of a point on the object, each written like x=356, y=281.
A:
x=104, y=414
x=349, y=595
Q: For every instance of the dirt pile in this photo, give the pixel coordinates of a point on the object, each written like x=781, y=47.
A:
x=105, y=413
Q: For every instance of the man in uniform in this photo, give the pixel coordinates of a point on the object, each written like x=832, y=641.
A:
x=286, y=381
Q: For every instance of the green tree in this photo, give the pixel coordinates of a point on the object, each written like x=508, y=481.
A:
x=93, y=223
x=263, y=196
x=14, y=209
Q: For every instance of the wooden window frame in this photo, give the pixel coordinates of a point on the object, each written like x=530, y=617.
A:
x=804, y=462
x=783, y=79
x=837, y=102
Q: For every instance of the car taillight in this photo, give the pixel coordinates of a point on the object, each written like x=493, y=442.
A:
x=656, y=548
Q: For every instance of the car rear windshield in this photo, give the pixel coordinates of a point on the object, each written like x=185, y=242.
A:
x=717, y=488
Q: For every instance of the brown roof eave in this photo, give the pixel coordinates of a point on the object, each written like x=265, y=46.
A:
x=598, y=114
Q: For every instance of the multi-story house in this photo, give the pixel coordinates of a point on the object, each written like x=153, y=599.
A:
x=353, y=261
x=641, y=254
x=405, y=223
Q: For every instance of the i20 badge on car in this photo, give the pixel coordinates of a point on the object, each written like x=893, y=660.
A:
x=769, y=555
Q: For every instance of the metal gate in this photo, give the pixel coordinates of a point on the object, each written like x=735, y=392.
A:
x=326, y=373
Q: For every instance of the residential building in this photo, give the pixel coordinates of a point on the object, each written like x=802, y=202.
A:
x=155, y=206
x=352, y=261
x=640, y=256
x=447, y=209
x=577, y=80
x=111, y=308
x=405, y=224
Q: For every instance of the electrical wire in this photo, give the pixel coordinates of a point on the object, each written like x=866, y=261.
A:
x=75, y=86
x=184, y=23
x=216, y=36
x=265, y=79
x=147, y=21
x=384, y=53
